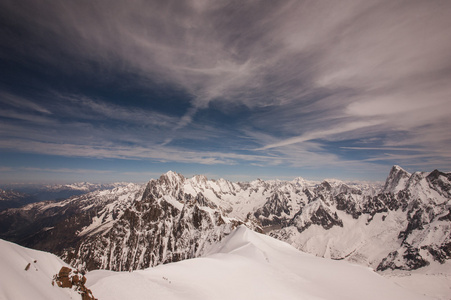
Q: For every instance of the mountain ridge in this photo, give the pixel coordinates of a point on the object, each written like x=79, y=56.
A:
x=179, y=218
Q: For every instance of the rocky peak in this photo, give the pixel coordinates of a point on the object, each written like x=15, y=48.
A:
x=396, y=180
x=346, y=189
x=300, y=182
x=171, y=179
x=170, y=183
x=440, y=181
x=199, y=180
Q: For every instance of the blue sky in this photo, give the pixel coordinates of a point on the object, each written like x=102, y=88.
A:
x=126, y=90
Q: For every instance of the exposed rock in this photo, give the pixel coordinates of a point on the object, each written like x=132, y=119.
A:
x=446, y=217
x=437, y=253
x=396, y=180
x=275, y=211
x=68, y=278
x=346, y=203
x=440, y=181
x=316, y=213
x=411, y=259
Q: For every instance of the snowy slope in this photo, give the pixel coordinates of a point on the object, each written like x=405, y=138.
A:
x=36, y=283
x=248, y=265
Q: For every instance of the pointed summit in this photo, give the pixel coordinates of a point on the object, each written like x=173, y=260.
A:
x=396, y=180
x=171, y=178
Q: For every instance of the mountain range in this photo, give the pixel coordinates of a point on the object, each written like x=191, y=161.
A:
x=18, y=195
x=400, y=226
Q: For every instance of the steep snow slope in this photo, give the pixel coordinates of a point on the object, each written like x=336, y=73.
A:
x=248, y=265
x=16, y=283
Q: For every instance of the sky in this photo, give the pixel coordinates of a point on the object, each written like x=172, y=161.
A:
x=107, y=91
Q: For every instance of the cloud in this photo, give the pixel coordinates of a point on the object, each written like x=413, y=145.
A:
x=66, y=170
x=385, y=149
x=83, y=107
x=304, y=71
x=321, y=134
x=151, y=153
x=5, y=169
x=19, y=102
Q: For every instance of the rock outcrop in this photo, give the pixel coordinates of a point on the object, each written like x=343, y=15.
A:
x=72, y=279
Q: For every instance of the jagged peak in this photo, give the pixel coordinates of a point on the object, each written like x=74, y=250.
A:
x=325, y=185
x=397, y=169
x=200, y=179
x=396, y=179
x=300, y=181
x=436, y=174
x=172, y=177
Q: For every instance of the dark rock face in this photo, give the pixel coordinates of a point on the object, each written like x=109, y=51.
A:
x=315, y=213
x=409, y=260
x=273, y=211
x=323, y=218
x=440, y=181
x=437, y=253
x=446, y=217
x=346, y=203
x=415, y=219
x=374, y=205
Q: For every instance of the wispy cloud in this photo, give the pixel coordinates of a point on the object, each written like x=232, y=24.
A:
x=66, y=170
x=290, y=76
x=321, y=134
x=15, y=101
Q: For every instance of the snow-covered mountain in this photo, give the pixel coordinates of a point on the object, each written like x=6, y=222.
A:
x=18, y=195
x=63, y=191
x=406, y=226
x=403, y=225
x=126, y=228
x=167, y=223
x=53, y=225
x=11, y=198
x=244, y=265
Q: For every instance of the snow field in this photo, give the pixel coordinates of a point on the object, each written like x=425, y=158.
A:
x=248, y=265
x=36, y=283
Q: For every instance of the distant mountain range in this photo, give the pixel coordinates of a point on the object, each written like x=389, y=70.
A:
x=402, y=225
x=17, y=195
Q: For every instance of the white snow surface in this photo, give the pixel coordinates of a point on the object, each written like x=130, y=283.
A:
x=248, y=265
x=36, y=283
